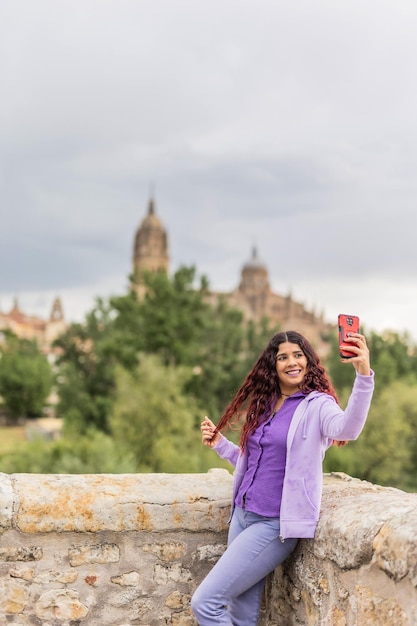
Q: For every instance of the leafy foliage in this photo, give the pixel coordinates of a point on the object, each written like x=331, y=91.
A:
x=176, y=322
x=386, y=451
x=152, y=418
x=86, y=371
x=92, y=454
x=137, y=377
x=25, y=378
x=382, y=453
x=393, y=357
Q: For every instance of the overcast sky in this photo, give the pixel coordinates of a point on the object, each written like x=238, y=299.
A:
x=289, y=125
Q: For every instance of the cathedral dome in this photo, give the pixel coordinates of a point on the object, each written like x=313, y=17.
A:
x=254, y=278
x=254, y=262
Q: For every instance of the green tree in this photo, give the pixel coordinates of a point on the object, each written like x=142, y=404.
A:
x=170, y=318
x=393, y=357
x=383, y=453
x=177, y=321
x=342, y=375
x=167, y=322
x=154, y=420
x=86, y=371
x=93, y=453
x=25, y=378
x=227, y=351
x=407, y=395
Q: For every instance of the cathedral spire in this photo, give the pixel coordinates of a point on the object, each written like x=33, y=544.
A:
x=150, y=251
x=151, y=206
x=151, y=203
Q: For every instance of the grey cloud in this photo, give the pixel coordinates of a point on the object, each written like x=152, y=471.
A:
x=287, y=125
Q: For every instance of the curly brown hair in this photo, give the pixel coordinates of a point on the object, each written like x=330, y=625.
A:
x=260, y=389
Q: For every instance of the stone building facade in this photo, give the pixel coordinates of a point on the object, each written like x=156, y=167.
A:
x=31, y=327
x=253, y=295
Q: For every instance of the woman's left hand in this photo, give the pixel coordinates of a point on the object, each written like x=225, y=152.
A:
x=358, y=347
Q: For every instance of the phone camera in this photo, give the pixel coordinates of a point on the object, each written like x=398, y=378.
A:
x=349, y=321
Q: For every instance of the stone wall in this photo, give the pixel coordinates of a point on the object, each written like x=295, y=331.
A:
x=128, y=550
x=361, y=568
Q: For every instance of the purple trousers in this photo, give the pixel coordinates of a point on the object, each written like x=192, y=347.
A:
x=231, y=593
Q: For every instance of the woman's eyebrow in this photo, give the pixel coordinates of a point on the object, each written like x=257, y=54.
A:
x=286, y=353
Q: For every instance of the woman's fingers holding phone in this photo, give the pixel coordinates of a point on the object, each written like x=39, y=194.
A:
x=359, y=349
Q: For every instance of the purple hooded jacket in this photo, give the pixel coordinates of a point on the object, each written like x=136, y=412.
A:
x=317, y=421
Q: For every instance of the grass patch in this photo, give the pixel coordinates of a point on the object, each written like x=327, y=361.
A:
x=11, y=438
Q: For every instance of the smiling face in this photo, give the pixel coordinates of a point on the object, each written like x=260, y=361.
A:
x=291, y=367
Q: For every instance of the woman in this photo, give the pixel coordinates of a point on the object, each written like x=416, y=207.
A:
x=290, y=417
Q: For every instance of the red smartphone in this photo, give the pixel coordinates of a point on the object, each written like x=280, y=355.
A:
x=347, y=324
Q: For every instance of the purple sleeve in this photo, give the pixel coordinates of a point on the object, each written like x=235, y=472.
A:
x=227, y=450
x=348, y=424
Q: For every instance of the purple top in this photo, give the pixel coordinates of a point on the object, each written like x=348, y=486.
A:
x=317, y=421
x=261, y=487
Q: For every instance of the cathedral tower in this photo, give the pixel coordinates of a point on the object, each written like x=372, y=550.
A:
x=254, y=277
x=253, y=291
x=57, y=312
x=150, y=252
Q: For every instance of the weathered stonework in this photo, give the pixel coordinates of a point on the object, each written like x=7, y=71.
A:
x=361, y=568
x=128, y=550
x=108, y=550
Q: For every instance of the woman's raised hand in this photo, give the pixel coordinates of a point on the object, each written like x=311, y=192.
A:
x=208, y=435
x=360, y=360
